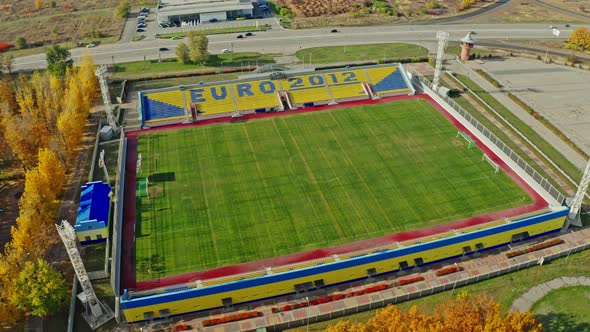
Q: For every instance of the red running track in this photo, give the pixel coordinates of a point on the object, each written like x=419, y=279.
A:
x=128, y=255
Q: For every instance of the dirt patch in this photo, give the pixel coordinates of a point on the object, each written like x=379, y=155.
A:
x=357, y=12
x=67, y=21
x=524, y=11
x=578, y=6
x=10, y=193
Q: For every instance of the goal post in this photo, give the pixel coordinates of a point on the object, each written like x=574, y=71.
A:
x=491, y=162
x=466, y=137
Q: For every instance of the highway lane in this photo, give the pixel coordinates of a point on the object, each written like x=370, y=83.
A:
x=289, y=41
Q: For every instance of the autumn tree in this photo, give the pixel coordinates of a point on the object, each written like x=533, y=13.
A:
x=58, y=60
x=38, y=4
x=122, y=9
x=197, y=44
x=182, y=53
x=463, y=313
x=579, y=39
x=39, y=289
x=87, y=79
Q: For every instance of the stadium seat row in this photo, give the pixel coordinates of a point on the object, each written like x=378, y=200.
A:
x=262, y=94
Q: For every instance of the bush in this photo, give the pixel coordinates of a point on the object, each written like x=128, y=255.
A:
x=21, y=43
x=122, y=9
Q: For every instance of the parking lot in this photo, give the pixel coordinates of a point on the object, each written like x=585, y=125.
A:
x=151, y=27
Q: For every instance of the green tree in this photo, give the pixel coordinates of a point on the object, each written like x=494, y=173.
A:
x=39, y=289
x=58, y=60
x=197, y=45
x=182, y=52
x=122, y=9
x=21, y=43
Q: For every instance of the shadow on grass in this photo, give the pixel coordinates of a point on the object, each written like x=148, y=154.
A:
x=562, y=322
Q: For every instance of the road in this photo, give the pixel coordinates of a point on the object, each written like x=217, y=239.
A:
x=289, y=41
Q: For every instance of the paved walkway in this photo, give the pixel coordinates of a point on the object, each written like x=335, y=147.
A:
x=526, y=301
x=502, y=97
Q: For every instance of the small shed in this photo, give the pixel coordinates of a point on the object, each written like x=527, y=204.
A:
x=93, y=213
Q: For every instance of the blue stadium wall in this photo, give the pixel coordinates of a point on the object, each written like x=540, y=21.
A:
x=184, y=299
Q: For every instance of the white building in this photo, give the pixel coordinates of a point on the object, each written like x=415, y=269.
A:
x=201, y=11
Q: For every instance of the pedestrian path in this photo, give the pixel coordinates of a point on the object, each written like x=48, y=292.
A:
x=528, y=299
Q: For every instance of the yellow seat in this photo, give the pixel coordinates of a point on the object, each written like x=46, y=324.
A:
x=213, y=99
x=256, y=94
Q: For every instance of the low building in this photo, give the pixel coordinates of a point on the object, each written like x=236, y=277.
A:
x=93, y=213
x=196, y=12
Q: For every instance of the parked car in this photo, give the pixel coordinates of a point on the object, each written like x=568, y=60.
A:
x=213, y=20
x=240, y=36
x=226, y=50
x=140, y=30
x=164, y=25
x=334, y=30
x=248, y=34
x=141, y=25
x=163, y=49
x=90, y=46
x=259, y=16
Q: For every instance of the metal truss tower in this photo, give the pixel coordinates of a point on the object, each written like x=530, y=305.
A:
x=104, y=88
x=573, y=217
x=97, y=313
x=442, y=38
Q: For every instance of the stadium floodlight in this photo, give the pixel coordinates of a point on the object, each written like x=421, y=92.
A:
x=442, y=38
x=97, y=313
x=103, y=165
x=573, y=216
x=104, y=89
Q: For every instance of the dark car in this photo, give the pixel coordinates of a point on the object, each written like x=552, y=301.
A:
x=259, y=16
x=213, y=20
x=240, y=36
x=163, y=49
x=334, y=30
x=248, y=34
x=140, y=30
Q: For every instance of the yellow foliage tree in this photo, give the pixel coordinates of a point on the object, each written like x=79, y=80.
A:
x=52, y=169
x=463, y=313
x=579, y=39
x=71, y=129
x=87, y=79
x=17, y=134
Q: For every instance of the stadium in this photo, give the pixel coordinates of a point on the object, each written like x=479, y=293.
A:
x=244, y=190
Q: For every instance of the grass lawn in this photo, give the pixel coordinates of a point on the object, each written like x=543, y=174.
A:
x=171, y=65
x=331, y=54
x=231, y=193
x=565, y=309
x=250, y=28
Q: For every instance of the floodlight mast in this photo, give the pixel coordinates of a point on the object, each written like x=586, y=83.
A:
x=442, y=38
x=103, y=165
x=573, y=216
x=104, y=88
x=99, y=313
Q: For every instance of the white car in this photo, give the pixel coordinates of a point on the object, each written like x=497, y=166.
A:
x=226, y=50
x=90, y=46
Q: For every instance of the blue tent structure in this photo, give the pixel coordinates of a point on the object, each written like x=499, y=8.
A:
x=93, y=213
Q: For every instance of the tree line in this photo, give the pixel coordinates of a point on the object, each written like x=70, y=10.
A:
x=460, y=314
x=42, y=122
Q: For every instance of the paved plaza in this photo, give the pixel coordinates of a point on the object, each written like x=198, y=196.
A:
x=557, y=92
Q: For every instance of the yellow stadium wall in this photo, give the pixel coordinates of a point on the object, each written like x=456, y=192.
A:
x=334, y=273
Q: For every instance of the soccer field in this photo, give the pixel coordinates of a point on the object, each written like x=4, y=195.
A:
x=230, y=193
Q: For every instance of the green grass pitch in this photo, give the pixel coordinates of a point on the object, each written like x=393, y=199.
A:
x=236, y=192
